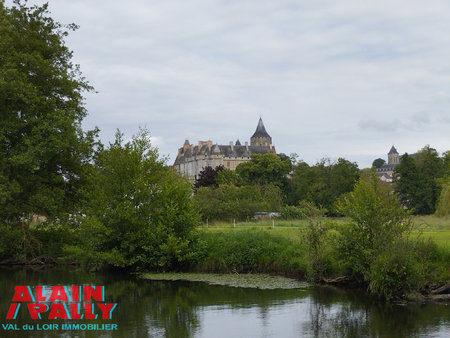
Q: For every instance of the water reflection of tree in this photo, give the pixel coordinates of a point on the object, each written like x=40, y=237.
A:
x=172, y=309
x=174, y=305
x=350, y=313
x=147, y=308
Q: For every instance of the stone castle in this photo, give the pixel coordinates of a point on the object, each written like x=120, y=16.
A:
x=192, y=159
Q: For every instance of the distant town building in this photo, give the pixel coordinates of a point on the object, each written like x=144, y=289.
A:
x=192, y=159
x=386, y=171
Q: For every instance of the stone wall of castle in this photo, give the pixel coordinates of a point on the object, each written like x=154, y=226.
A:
x=192, y=159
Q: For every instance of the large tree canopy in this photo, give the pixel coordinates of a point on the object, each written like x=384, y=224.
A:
x=378, y=163
x=265, y=169
x=417, y=181
x=137, y=211
x=208, y=177
x=43, y=150
x=324, y=182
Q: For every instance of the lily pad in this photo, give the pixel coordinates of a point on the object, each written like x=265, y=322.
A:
x=257, y=281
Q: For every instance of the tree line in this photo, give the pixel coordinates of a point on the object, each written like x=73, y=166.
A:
x=269, y=182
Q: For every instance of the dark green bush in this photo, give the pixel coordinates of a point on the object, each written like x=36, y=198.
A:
x=11, y=242
x=290, y=212
x=303, y=210
x=228, y=202
x=24, y=241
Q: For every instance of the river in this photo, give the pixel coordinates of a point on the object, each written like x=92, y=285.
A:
x=194, y=309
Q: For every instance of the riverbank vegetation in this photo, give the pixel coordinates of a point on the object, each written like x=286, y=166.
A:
x=375, y=246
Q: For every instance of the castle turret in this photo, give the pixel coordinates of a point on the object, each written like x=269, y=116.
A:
x=393, y=156
x=261, y=137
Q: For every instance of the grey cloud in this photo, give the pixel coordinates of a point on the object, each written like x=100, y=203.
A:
x=421, y=118
x=315, y=70
x=384, y=126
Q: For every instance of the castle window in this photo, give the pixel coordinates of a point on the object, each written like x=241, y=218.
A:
x=228, y=164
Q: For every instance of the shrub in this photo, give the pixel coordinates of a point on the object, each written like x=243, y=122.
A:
x=374, y=246
x=138, y=213
x=378, y=223
x=443, y=205
x=252, y=251
x=434, y=259
x=290, y=212
x=229, y=202
x=396, y=272
x=10, y=242
x=304, y=209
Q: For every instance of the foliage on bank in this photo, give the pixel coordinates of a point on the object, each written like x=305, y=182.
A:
x=375, y=250
x=137, y=211
x=376, y=245
x=252, y=252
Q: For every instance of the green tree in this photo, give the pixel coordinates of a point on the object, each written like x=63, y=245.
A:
x=373, y=245
x=417, y=180
x=406, y=177
x=443, y=206
x=208, y=177
x=43, y=151
x=378, y=220
x=288, y=159
x=301, y=180
x=324, y=182
x=344, y=175
x=265, y=169
x=378, y=163
x=431, y=167
x=138, y=211
x=228, y=202
x=446, y=160
x=227, y=176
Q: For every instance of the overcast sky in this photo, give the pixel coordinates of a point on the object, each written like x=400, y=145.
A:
x=330, y=78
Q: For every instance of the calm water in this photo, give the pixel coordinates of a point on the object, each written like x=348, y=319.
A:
x=184, y=309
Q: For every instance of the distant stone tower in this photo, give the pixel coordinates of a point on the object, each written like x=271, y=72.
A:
x=393, y=157
x=261, y=137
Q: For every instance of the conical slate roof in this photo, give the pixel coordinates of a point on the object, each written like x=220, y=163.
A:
x=260, y=130
x=392, y=151
x=216, y=149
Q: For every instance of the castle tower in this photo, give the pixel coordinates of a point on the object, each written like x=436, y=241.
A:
x=393, y=157
x=261, y=137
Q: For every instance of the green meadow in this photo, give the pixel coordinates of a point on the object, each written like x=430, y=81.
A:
x=431, y=227
x=435, y=228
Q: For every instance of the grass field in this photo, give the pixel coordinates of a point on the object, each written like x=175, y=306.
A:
x=434, y=228
x=425, y=227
